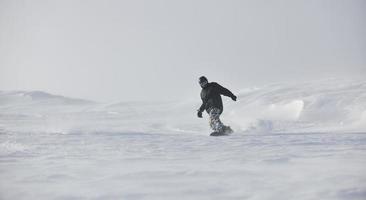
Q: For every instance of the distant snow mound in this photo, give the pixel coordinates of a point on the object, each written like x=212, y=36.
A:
x=36, y=107
x=33, y=97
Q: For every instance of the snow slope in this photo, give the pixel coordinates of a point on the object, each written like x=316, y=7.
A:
x=294, y=141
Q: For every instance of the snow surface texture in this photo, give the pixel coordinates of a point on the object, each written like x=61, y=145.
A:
x=305, y=141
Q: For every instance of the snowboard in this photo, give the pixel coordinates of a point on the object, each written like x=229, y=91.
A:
x=226, y=132
x=218, y=134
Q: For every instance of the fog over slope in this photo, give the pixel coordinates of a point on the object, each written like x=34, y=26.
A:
x=309, y=107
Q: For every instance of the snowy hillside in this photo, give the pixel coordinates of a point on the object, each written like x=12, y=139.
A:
x=299, y=141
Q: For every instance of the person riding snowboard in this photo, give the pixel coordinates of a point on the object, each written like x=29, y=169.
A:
x=212, y=103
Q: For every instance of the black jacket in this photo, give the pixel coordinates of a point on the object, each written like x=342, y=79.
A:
x=211, y=96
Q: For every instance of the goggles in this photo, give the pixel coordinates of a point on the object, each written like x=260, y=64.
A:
x=203, y=83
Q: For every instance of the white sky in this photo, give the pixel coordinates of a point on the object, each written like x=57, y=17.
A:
x=152, y=49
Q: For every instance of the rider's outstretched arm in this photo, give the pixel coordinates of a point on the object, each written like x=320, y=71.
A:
x=225, y=91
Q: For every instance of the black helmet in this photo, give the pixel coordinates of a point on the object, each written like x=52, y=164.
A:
x=202, y=81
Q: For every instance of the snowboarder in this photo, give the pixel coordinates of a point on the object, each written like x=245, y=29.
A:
x=212, y=103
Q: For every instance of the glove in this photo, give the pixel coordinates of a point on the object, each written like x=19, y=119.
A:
x=199, y=114
x=233, y=98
